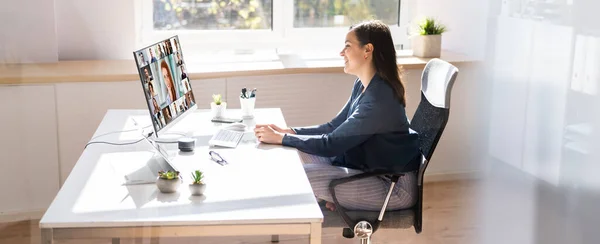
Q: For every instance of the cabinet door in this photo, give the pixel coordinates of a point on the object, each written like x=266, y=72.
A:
x=592, y=61
x=579, y=56
x=510, y=76
x=546, y=101
x=28, y=147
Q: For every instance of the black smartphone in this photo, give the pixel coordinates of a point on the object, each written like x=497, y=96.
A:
x=226, y=120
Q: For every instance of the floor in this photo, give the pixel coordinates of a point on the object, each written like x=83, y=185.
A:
x=448, y=219
x=504, y=206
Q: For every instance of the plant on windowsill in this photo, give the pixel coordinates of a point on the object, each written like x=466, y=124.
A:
x=427, y=42
x=197, y=186
x=168, y=181
x=218, y=106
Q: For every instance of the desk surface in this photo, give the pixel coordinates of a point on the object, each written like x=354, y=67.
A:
x=263, y=184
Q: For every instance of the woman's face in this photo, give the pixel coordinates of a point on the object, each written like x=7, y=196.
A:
x=354, y=55
x=151, y=89
x=156, y=108
x=168, y=81
x=166, y=77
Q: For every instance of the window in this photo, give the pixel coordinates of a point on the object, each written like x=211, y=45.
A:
x=213, y=15
x=331, y=13
x=260, y=24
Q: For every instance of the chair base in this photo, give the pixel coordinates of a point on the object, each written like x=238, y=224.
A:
x=401, y=219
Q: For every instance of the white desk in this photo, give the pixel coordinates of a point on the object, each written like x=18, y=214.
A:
x=263, y=191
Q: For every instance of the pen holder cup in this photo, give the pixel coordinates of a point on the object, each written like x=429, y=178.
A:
x=247, y=105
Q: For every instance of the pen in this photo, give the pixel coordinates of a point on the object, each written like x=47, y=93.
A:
x=244, y=93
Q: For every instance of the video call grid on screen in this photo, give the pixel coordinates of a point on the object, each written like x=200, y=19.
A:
x=165, y=82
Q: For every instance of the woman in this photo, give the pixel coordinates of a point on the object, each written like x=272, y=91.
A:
x=168, y=78
x=369, y=133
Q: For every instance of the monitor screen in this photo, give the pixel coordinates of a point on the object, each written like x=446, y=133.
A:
x=165, y=81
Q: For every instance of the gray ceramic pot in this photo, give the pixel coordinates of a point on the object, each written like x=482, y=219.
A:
x=168, y=186
x=197, y=189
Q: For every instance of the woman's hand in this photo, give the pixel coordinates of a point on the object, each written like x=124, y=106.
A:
x=267, y=134
x=277, y=128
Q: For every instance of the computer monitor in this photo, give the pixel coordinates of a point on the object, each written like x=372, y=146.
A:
x=165, y=83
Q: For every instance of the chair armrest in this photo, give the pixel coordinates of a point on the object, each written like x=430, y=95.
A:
x=361, y=176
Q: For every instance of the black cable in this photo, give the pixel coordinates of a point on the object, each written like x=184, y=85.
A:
x=118, y=144
x=166, y=141
x=129, y=143
x=112, y=143
x=121, y=131
x=175, y=133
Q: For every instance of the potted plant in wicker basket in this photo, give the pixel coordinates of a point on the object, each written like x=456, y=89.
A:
x=168, y=181
x=197, y=186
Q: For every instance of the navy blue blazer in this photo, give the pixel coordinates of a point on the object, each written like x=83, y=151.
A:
x=370, y=133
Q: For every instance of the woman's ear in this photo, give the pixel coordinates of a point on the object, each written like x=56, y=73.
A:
x=369, y=48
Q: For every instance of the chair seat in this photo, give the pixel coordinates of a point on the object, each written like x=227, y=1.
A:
x=401, y=219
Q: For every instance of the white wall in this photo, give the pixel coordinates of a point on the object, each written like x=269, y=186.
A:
x=95, y=29
x=27, y=31
x=50, y=30
x=466, y=21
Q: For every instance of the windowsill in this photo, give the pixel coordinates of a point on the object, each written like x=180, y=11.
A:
x=204, y=67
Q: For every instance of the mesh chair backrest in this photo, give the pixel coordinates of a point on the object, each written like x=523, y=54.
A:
x=429, y=121
x=433, y=111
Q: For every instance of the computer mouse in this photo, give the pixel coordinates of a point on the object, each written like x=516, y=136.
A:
x=236, y=127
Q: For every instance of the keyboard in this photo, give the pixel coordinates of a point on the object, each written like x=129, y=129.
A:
x=226, y=138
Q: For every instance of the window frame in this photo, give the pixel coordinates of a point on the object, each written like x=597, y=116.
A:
x=283, y=35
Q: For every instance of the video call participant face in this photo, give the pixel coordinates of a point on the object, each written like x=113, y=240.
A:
x=179, y=60
x=141, y=58
x=156, y=107
x=167, y=114
x=168, y=78
x=151, y=52
x=151, y=89
x=147, y=73
x=177, y=47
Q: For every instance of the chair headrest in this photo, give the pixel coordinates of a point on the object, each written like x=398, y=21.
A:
x=437, y=80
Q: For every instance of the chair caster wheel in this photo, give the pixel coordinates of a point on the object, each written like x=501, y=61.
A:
x=348, y=233
x=363, y=230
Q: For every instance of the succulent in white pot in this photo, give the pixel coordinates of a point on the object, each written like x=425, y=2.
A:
x=217, y=106
x=427, y=43
x=168, y=181
x=197, y=187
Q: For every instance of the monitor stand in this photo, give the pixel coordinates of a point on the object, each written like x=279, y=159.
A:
x=147, y=172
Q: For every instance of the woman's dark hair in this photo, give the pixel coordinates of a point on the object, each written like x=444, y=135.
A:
x=384, y=53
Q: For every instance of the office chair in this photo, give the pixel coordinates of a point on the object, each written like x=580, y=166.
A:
x=429, y=121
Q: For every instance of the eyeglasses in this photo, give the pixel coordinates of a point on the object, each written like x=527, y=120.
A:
x=214, y=156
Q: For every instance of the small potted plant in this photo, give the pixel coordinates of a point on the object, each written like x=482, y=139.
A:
x=169, y=181
x=197, y=186
x=217, y=106
x=427, y=43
